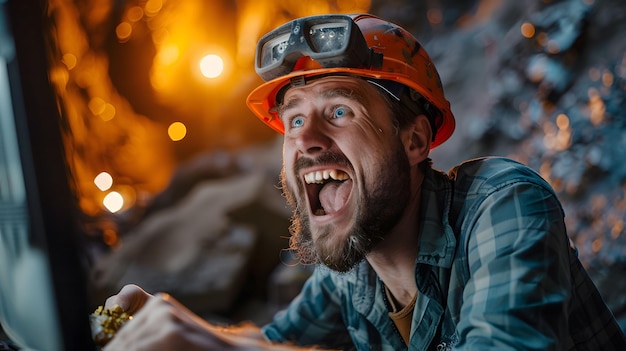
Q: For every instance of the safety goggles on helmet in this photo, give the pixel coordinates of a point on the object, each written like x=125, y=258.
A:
x=360, y=45
x=330, y=40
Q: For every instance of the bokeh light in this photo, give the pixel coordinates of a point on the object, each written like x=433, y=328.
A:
x=153, y=7
x=528, y=30
x=69, y=60
x=211, y=66
x=113, y=201
x=103, y=181
x=434, y=15
x=123, y=31
x=134, y=13
x=168, y=61
x=177, y=131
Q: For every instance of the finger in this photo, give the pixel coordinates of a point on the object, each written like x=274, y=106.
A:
x=152, y=328
x=182, y=311
x=131, y=299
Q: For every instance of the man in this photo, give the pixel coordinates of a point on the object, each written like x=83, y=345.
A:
x=409, y=257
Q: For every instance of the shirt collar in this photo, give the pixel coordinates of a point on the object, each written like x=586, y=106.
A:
x=437, y=241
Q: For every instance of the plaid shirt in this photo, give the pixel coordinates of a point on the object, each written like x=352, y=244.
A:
x=495, y=271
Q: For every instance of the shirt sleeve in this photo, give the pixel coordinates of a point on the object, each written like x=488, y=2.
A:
x=519, y=280
x=314, y=317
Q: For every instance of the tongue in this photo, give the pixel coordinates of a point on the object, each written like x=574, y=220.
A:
x=334, y=195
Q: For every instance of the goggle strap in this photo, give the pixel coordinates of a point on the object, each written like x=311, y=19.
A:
x=411, y=99
x=388, y=86
x=298, y=81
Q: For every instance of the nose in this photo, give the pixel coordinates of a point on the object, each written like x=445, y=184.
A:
x=312, y=138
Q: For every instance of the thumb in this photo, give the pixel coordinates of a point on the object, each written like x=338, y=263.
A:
x=131, y=299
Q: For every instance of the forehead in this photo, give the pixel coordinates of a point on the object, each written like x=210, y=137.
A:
x=328, y=87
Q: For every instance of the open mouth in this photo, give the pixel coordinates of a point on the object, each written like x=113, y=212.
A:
x=328, y=190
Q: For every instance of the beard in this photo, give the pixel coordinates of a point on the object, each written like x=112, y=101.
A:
x=378, y=210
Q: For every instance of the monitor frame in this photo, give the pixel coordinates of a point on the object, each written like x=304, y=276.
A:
x=41, y=216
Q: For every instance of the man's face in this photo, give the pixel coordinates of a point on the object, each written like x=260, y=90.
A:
x=345, y=170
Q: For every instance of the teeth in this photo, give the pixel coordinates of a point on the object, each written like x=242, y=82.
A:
x=319, y=177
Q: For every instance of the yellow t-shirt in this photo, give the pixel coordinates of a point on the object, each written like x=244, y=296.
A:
x=402, y=318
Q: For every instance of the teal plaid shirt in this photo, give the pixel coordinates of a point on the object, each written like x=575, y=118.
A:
x=495, y=271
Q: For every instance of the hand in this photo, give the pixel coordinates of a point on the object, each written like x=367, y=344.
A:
x=165, y=324
x=162, y=323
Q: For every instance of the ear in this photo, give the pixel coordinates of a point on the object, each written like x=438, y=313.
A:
x=416, y=139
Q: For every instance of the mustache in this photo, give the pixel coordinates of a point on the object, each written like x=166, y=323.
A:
x=325, y=158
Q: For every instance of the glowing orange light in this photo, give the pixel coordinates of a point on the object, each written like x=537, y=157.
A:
x=109, y=236
x=177, y=131
x=103, y=181
x=553, y=46
x=545, y=170
x=113, y=201
x=596, y=245
x=542, y=38
x=563, y=140
x=69, y=60
x=528, y=30
x=562, y=121
x=108, y=113
x=153, y=7
x=594, y=74
x=96, y=105
x=123, y=31
x=434, y=16
x=158, y=79
x=211, y=66
x=168, y=55
x=134, y=13
x=160, y=36
x=607, y=78
x=596, y=106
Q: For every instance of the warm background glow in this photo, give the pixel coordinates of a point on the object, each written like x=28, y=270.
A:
x=171, y=66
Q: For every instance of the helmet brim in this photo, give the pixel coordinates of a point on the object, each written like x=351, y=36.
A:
x=262, y=100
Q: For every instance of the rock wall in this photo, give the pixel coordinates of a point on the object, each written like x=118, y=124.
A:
x=554, y=100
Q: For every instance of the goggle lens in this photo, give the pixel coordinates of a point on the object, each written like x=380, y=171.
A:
x=274, y=50
x=328, y=37
x=331, y=40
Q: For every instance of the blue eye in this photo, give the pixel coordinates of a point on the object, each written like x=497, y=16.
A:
x=339, y=112
x=297, y=122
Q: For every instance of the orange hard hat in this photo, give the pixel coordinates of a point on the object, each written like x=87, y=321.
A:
x=360, y=45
